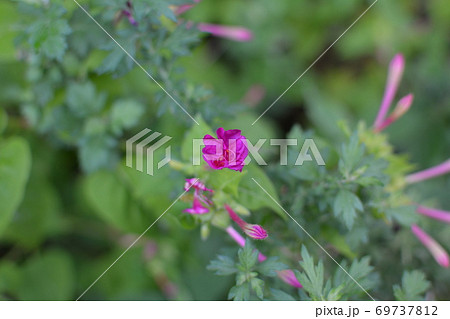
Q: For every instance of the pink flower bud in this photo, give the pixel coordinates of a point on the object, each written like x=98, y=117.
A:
x=395, y=73
x=434, y=171
x=288, y=276
x=401, y=108
x=255, y=231
x=439, y=254
x=252, y=230
x=434, y=213
x=233, y=33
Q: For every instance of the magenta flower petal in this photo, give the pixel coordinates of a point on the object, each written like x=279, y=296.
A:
x=434, y=213
x=196, y=184
x=199, y=198
x=439, y=254
x=255, y=231
x=197, y=207
x=233, y=33
x=229, y=150
x=288, y=276
x=395, y=73
x=434, y=171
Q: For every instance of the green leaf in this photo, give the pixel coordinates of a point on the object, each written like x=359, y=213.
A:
x=125, y=114
x=15, y=162
x=83, y=100
x=96, y=152
x=351, y=155
x=252, y=196
x=312, y=277
x=240, y=293
x=270, y=266
x=47, y=277
x=248, y=256
x=258, y=287
x=223, y=266
x=279, y=295
x=107, y=196
x=332, y=236
x=414, y=285
x=197, y=132
x=48, y=36
x=226, y=180
x=405, y=215
x=345, y=205
x=361, y=271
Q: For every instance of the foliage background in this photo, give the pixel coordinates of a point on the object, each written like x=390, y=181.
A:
x=69, y=99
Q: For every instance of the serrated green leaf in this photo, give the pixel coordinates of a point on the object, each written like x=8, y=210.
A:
x=312, y=277
x=223, y=266
x=258, y=287
x=248, y=256
x=240, y=293
x=270, y=266
x=345, y=205
x=414, y=285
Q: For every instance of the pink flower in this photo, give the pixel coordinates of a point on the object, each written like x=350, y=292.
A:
x=199, y=198
x=233, y=33
x=434, y=213
x=252, y=230
x=229, y=150
x=197, y=207
x=440, y=169
x=439, y=254
x=196, y=184
x=394, y=76
x=402, y=107
x=289, y=277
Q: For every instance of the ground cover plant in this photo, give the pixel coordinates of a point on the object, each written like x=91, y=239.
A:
x=309, y=150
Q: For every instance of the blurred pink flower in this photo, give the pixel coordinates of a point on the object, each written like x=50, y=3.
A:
x=289, y=277
x=233, y=33
x=395, y=73
x=434, y=213
x=434, y=171
x=240, y=34
x=252, y=230
x=401, y=108
x=229, y=150
x=199, y=198
x=439, y=254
